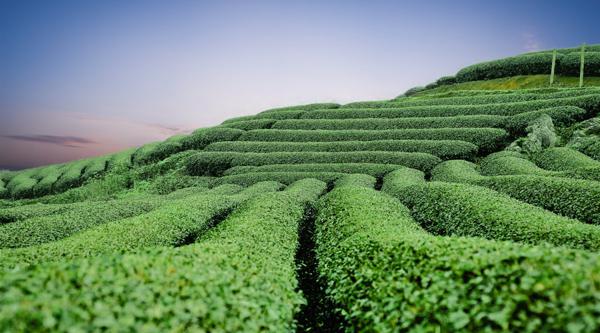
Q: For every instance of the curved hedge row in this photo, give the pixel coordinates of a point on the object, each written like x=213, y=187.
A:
x=444, y=149
x=215, y=163
x=44, y=229
x=240, y=277
x=485, y=138
x=18, y=213
x=509, y=163
x=356, y=180
x=573, y=198
x=48, y=176
x=477, y=97
x=563, y=159
x=530, y=64
x=395, y=123
x=170, y=225
x=590, y=103
x=376, y=170
x=466, y=210
x=284, y=177
x=418, y=282
x=247, y=125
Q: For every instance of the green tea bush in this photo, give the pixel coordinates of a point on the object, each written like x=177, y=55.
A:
x=170, y=164
x=122, y=160
x=238, y=278
x=18, y=213
x=444, y=149
x=386, y=274
x=485, y=138
x=356, y=180
x=477, y=97
x=589, y=102
x=570, y=64
x=509, y=163
x=561, y=116
x=161, y=151
x=284, y=177
x=247, y=125
x=172, y=224
x=47, y=177
x=466, y=210
x=372, y=169
x=202, y=137
x=395, y=123
x=541, y=134
x=105, y=188
x=215, y=163
x=21, y=185
x=529, y=64
x=71, y=176
x=563, y=159
x=573, y=198
x=174, y=181
x=44, y=229
x=94, y=167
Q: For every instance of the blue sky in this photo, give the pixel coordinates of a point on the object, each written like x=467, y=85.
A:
x=85, y=78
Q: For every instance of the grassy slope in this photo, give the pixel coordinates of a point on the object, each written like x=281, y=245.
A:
x=515, y=82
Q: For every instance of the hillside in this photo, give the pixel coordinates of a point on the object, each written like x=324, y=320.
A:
x=471, y=204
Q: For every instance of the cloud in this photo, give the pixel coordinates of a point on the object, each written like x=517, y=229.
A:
x=169, y=130
x=65, y=141
x=531, y=42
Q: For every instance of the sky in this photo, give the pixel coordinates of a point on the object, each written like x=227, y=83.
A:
x=87, y=78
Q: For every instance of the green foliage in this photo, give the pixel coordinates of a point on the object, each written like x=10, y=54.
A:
x=215, y=163
x=105, y=188
x=386, y=274
x=589, y=102
x=509, y=163
x=202, y=137
x=94, y=167
x=285, y=177
x=570, y=63
x=466, y=210
x=48, y=228
x=375, y=170
x=475, y=97
x=485, y=138
x=528, y=64
x=48, y=176
x=356, y=180
x=563, y=159
x=396, y=123
x=239, y=278
x=573, y=198
x=247, y=125
x=561, y=116
x=172, y=224
x=540, y=135
x=21, y=185
x=18, y=213
x=71, y=176
x=444, y=149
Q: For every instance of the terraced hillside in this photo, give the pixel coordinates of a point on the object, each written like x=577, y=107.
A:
x=452, y=209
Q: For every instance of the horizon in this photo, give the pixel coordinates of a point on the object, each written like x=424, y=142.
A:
x=80, y=80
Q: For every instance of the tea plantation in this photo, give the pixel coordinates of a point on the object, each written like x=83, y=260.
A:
x=469, y=205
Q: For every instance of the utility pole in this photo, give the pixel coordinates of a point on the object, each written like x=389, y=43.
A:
x=581, y=65
x=553, y=67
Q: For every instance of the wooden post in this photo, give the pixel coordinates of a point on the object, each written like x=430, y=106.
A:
x=581, y=65
x=553, y=67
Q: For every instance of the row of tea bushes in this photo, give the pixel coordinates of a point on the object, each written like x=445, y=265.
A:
x=423, y=282
x=444, y=149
